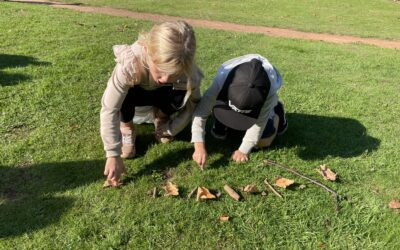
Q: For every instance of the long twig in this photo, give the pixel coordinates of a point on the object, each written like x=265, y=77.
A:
x=333, y=192
x=272, y=189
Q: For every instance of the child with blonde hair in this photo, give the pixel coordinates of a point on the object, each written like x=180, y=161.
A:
x=158, y=70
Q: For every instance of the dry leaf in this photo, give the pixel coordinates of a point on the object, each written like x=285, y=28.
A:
x=395, y=204
x=218, y=194
x=327, y=173
x=224, y=217
x=252, y=188
x=111, y=183
x=264, y=193
x=171, y=189
x=302, y=186
x=283, y=182
x=204, y=194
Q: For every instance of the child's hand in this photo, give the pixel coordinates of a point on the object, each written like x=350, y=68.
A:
x=114, y=169
x=239, y=156
x=200, y=154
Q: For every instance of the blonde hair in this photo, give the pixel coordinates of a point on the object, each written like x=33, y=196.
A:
x=171, y=46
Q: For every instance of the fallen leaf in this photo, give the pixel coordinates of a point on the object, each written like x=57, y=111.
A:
x=224, y=217
x=252, y=188
x=204, y=194
x=171, y=189
x=283, y=182
x=395, y=204
x=264, y=193
x=111, y=183
x=218, y=194
x=302, y=186
x=327, y=173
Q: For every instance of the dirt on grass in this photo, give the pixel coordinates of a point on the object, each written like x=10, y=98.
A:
x=269, y=31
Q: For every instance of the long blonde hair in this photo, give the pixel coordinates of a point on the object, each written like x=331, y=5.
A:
x=171, y=46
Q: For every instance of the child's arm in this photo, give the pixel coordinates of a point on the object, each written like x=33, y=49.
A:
x=253, y=134
x=111, y=103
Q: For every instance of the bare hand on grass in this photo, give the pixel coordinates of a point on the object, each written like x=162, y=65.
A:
x=113, y=170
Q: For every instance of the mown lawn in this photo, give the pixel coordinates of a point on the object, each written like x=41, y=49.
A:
x=366, y=18
x=343, y=110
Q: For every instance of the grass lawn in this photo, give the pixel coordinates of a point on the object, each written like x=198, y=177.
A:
x=366, y=18
x=343, y=110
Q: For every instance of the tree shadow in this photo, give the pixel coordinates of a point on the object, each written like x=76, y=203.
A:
x=28, y=195
x=15, y=61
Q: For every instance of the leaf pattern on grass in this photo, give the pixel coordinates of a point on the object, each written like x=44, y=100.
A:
x=171, y=189
x=328, y=174
x=394, y=204
x=283, y=182
x=204, y=194
x=224, y=218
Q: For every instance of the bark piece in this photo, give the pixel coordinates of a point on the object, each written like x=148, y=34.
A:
x=232, y=193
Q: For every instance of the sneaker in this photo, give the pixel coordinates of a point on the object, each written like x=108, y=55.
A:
x=128, y=142
x=219, y=131
x=283, y=123
x=158, y=122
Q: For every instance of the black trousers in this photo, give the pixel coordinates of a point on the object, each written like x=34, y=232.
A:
x=165, y=98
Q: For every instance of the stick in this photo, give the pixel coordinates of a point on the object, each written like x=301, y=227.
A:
x=333, y=192
x=273, y=189
x=154, y=192
x=232, y=193
x=191, y=193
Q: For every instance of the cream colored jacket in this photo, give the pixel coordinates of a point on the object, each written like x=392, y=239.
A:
x=129, y=72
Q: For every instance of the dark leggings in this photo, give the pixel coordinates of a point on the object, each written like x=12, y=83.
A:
x=165, y=98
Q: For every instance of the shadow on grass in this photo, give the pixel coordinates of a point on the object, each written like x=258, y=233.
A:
x=15, y=61
x=320, y=136
x=29, y=194
x=316, y=137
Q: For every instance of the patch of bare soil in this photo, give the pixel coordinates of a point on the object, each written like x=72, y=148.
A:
x=269, y=31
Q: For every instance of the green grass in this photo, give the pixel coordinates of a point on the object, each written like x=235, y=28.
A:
x=365, y=18
x=343, y=111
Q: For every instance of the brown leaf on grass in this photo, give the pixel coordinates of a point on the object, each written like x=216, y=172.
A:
x=204, y=194
x=264, y=193
x=394, y=204
x=252, y=188
x=171, y=189
x=302, y=186
x=283, y=182
x=328, y=174
x=224, y=217
x=112, y=183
